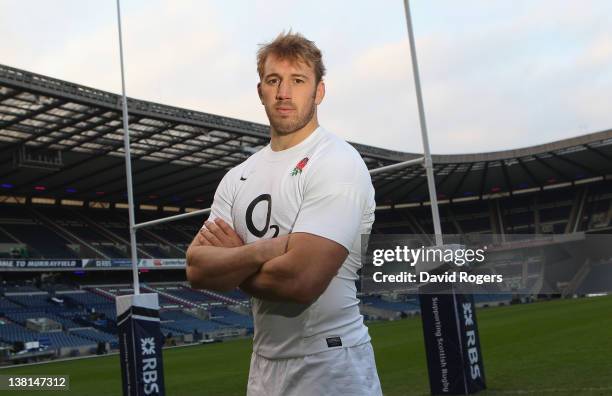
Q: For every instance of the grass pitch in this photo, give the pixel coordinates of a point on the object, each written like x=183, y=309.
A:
x=561, y=347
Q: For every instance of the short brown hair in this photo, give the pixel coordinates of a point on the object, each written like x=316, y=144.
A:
x=293, y=47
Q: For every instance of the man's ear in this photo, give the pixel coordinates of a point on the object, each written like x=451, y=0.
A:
x=259, y=92
x=320, y=92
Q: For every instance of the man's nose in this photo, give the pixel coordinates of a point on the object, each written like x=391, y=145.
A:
x=284, y=91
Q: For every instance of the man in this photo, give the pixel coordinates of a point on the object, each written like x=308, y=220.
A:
x=285, y=227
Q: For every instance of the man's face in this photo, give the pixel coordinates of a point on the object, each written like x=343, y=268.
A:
x=289, y=93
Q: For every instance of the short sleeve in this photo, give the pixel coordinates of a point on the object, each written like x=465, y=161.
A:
x=335, y=196
x=223, y=200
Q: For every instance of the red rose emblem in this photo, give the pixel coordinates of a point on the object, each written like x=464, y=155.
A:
x=300, y=166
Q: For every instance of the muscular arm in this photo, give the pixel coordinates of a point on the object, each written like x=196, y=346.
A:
x=219, y=261
x=219, y=268
x=300, y=275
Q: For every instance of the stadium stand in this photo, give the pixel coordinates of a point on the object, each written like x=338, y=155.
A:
x=21, y=318
x=598, y=279
x=225, y=316
x=96, y=336
x=393, y=306
x=11, y=333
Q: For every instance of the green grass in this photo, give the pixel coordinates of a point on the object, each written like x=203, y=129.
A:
x=549, y=348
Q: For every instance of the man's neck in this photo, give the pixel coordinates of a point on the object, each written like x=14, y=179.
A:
x=280, y=142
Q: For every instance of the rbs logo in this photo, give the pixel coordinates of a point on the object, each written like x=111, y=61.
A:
x=471, y=341
x=149, y=365
x=260, y=232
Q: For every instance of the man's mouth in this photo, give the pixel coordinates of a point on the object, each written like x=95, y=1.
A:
x=284, y=110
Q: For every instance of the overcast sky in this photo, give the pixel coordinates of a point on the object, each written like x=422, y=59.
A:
x=495, y=74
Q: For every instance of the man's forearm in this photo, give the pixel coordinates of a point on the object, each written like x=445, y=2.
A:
x=270, y=286
x=280, y=280
x=267, y=287
x=300, y=275
x=221, y=268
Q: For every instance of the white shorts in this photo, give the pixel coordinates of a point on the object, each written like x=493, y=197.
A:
x=342, y=371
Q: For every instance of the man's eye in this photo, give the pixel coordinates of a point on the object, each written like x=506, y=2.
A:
x=299, y=81
x=273, y=81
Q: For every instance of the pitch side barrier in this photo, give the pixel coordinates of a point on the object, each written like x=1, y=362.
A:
x=511, y=265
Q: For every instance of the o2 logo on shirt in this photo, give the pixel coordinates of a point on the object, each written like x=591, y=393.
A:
x=249, y=217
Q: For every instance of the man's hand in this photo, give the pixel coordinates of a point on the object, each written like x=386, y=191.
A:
x=217, y=259
x=218, y=233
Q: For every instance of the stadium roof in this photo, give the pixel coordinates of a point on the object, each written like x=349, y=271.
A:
x=64, y=141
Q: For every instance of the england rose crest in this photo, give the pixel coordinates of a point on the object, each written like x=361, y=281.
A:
x=299, y=167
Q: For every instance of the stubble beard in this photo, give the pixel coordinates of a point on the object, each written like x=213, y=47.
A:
x=287, y=126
